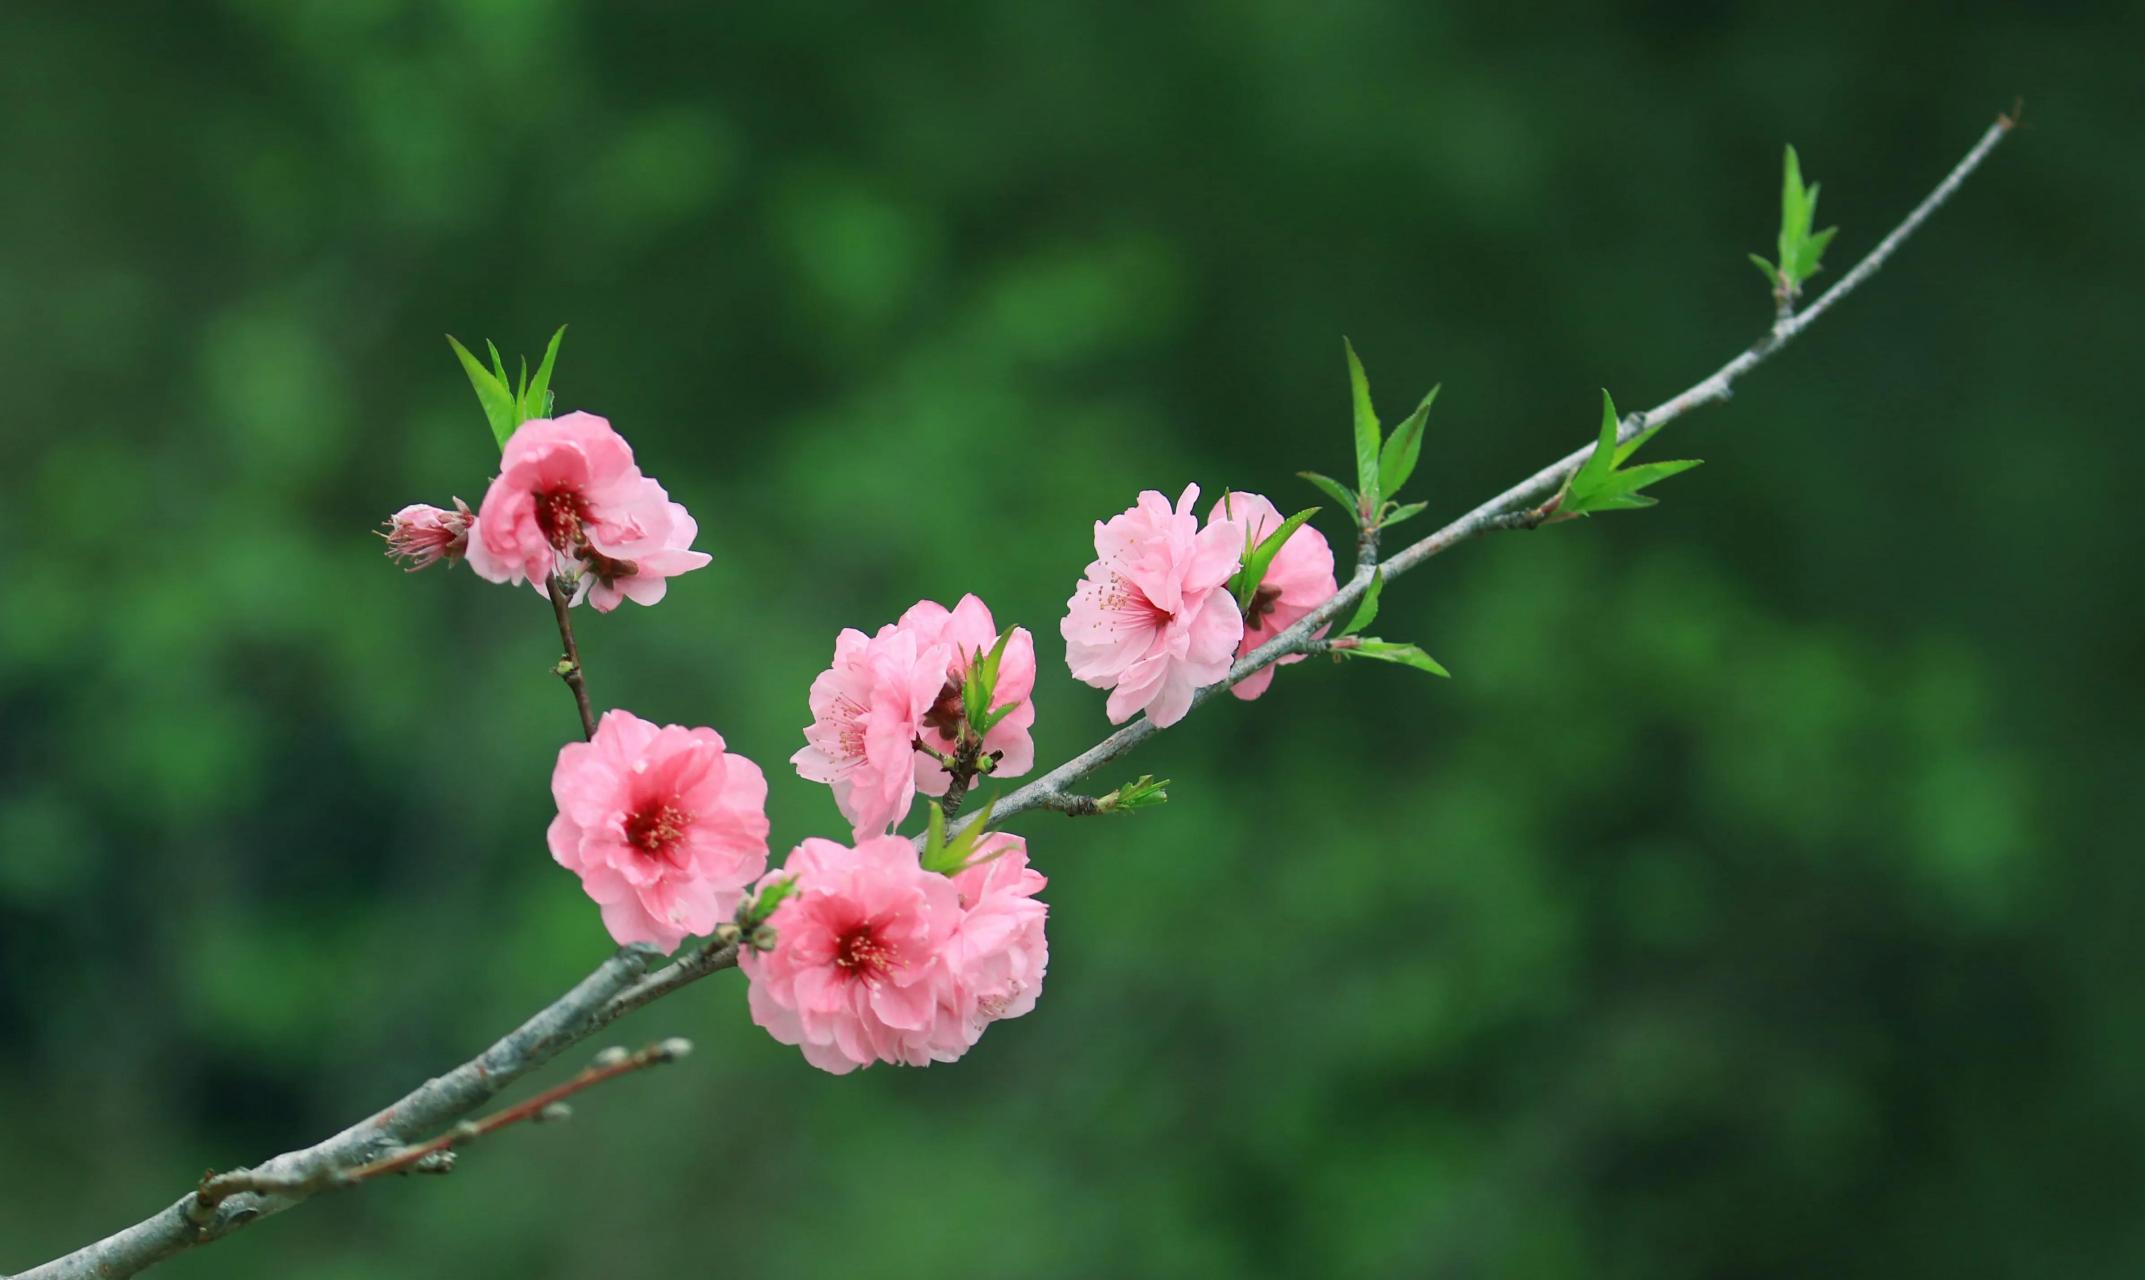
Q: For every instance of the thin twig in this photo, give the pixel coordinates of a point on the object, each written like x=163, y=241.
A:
x=569, y=667
x=1717, y=386
x=620, y=985
x=1510, y=508
x=425, y=1110
x=435, y=1155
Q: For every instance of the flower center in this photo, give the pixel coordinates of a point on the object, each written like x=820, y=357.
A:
x=559, y=514
x=859, y=954
x=1125, y=597
x=656, y=829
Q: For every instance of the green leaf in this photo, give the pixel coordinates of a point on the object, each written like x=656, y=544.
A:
x=1407, y=655
x=1603, y=483
x=950, y=857
x=537, y=402
x=1261, y=557
x=1367, y=609
x=1398, y=514
x=1794, y=207
x=1801, y=252
x=1813, y=253
x=770, y=898
x=1332, y=488
x=1366, y=424
x=1595, y=470
x=981, y=686
x=1766, y=269
x=1143, y=792
x=1397, y=462
x=492, y=393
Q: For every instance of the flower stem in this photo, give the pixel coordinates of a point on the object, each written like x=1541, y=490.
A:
x=570, y=666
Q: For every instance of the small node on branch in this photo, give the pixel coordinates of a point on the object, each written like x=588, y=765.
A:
x=441, y=1161
x=611, y=1056
x=553, y=1113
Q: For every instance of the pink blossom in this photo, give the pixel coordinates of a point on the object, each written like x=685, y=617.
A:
x=967, y=630
x=664, y=553
x=860, y=971
x=998, y=953
x=422, y=535
x=866, y=712
x=1153, y=620
x=569, y=500
x=1299, y=579
x=663, y=826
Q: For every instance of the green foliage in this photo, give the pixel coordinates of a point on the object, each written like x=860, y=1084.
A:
x=1396, y=462
x=1366, y=611
x=1603, y=482
x=1143, y=792
x=1383, y=464
x=769, y=898
x=1334, y=489
x=980, y=686
x=1407, y=655
x=1366, y=431
x=509, y=403
x=1258, y=559
x=950, y=856
x=1801, y=250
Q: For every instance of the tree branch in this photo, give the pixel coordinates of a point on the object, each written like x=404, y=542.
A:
x=1508, y=509
x=436, y=1155
x=621, y=984
x=425, y=1110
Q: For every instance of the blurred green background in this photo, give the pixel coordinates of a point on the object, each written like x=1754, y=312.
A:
x=1760, y=898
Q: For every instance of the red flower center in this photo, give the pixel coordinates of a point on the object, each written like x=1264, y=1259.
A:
x=559, y=514
x=859, y=953
x=656, y=829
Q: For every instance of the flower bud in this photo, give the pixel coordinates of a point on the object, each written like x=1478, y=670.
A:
x=421, y=535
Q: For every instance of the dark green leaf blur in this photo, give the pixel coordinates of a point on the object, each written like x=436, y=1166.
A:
x=1760, y=897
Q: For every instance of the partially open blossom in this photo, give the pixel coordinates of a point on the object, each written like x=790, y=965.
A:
x=1299, y=579
x=861, y=971
x=643, y=578
x=1153, y=620
x=967, y=630
x=422, y=535
x=664, y=827
x=866, y=712
x=998, y=953
x=569, y=500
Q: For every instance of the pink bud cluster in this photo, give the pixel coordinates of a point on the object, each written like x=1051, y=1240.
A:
x=568, y=503
x=890, y=707
x=879, y=960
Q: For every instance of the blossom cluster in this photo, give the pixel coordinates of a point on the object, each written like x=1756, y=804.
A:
x=568, y=503
x=880, y=960
x=1154, y=621
x=888, y=717
x=868, y=951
